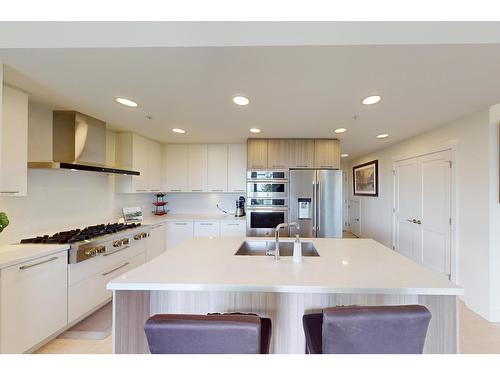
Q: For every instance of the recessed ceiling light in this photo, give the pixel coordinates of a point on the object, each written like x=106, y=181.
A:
x=179, y=131
x=344, y=155
x=254, y=130
x=373, y=99
x=383, y=135
x=340, y=130
x=127, y=102
x=241, y=100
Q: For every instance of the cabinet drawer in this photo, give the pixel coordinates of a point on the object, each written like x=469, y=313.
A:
x=33, y=302
x=206, y=229
x=233, y=229
x=178, y=232
x=90, y=292
x=82, y=270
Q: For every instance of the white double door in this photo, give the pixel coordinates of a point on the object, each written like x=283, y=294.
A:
x=423, y=210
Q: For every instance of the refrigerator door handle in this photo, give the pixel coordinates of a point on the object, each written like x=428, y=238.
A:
x=318, y=205
x=314, y=207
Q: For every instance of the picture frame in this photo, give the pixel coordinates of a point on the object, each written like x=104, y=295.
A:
x=365, y=179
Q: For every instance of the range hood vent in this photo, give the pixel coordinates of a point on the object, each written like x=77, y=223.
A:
x=79, y=143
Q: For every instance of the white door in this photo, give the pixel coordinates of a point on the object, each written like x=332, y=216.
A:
x=423, y=210
x=433, y=242
x=354, y=214
x=406, y=181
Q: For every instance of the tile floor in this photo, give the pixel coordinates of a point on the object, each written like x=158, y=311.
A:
x=476, y=336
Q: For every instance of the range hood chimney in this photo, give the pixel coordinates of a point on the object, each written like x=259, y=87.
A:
x=78, y=143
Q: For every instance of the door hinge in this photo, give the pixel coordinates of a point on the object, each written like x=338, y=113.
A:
x=393, y=247
x=450, y=162
x=449, y=220
x=393, y=210
x=394, y=172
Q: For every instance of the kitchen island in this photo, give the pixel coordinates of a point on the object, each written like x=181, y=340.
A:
x=204, y=275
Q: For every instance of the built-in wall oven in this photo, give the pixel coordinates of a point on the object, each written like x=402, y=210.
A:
x=267, y=202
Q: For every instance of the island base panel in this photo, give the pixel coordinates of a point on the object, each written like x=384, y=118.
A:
x=132, y=308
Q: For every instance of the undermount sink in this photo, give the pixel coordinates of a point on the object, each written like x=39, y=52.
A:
x=267, y=248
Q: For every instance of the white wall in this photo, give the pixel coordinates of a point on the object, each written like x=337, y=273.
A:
x=471, y=135
x=494, y=214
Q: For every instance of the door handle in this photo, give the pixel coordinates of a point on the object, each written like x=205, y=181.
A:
x=410, y=221
x=318, y=201
x=418, y=222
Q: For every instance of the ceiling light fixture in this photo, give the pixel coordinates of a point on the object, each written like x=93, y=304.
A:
x=382, y=136
x=340, y=130
x=178, y=131
x=254, y=130
x=373, y=99
x=344, y=155
x=127, y=102
x=241, y=100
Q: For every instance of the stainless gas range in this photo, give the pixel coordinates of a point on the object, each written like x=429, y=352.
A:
x=96, y=240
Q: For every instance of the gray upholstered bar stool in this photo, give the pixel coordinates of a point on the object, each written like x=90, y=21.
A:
x=208, y=334
x=367, y=330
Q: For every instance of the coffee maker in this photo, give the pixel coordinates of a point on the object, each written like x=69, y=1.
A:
x=240, y=207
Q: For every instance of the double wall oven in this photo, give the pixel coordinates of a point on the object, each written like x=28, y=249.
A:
x=267, y=202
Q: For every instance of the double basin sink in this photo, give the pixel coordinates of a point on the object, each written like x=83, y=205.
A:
x=263, y=248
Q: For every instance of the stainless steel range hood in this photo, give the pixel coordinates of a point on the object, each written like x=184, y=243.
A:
x=78, y=143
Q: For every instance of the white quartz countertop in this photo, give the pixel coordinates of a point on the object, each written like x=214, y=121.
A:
x=151, y=220
x=15, y=254
x=344, y=266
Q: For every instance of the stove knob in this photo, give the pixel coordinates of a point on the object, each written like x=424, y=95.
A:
x=100, y=249
x=117, y=243
x=125, y=241
x=137, y=237
x=92, y=252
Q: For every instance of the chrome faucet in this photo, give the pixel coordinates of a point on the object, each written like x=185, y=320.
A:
x=277, y=237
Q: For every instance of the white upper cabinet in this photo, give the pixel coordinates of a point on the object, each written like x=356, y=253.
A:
x=13, y=142
x=176, y=167
x=197, y=168
x=217, y=168
x=236, y=168
x=154, y=167
x=139, y=154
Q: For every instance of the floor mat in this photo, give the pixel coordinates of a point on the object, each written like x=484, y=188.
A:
x=95, y=327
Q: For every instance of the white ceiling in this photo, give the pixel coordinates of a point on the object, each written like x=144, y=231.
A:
x=295, y=91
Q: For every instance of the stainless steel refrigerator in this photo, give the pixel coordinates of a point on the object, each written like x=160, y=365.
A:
x=316, y=202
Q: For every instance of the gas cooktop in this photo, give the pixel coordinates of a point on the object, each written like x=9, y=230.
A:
x=77, y=235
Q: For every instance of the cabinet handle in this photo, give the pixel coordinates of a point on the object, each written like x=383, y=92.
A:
x=116, y=251
x=196, y=190
x=301, y=166
x=36, y=264
x=180, y=223
x=206, y=224
x=217, y=190
x=238, y=190
x=175, y=190
x=233, y=224
x=154, y=190
x=257, y=166
x=278, y=166
x=140, y=190
x=116, y=269
x=10, y=191
x=156, y=226
x=326, y=166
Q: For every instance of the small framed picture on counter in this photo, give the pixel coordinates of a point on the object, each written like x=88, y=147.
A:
x=132, y=214
x=365, y=179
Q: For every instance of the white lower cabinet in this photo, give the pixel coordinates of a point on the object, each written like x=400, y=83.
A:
x=88, y=279
x=156, y=242
x=237, y=228
x=206, y=229
x=33, y=302
x=178, y=232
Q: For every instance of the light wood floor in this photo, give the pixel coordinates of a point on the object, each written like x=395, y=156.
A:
x=476, y=336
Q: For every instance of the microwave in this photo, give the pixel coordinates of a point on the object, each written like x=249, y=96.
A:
x=262, y=222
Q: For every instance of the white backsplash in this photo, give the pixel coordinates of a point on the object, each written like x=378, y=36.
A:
x=61, y=200
x=205, y=203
